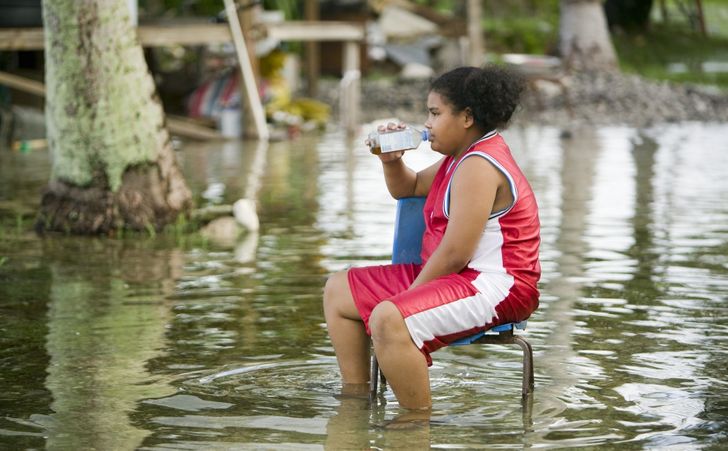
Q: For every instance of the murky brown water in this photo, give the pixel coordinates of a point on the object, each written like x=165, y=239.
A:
x=167, y=342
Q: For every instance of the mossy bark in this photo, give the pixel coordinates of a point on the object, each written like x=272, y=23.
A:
x=113, y=163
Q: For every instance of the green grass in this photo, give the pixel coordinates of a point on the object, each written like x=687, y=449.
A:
x=670, y=52
x=675, y=50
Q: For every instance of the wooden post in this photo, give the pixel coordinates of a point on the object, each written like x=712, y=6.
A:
x=252, y=97
x=350, y=90
x=313, y=50
x=663, y=11
x=475, y=33
x=701, y=17
x=246, y=16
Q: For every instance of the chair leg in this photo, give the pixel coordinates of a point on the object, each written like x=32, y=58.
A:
x=373, y=378
x=528, y=383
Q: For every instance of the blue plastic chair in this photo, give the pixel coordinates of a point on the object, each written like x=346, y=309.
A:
x=408, y=230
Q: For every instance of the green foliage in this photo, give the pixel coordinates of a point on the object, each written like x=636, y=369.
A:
x=444, y=6
x=684, y=14
x=524, y=26
x=520, y=35
x=292, y=9
x=181, y=7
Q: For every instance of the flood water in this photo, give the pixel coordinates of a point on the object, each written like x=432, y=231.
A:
x=172, y=342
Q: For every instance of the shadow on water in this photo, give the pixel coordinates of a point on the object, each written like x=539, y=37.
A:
x=168, y=342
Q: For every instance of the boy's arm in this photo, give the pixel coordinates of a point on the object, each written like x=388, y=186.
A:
x=403, y=181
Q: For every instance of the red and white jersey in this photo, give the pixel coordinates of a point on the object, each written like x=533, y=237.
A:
x=505, y=261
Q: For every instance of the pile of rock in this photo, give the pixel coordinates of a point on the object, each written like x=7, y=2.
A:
x=615, y=98
x=585, y=99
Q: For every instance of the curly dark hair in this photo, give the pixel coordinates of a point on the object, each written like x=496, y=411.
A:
x=492, y=93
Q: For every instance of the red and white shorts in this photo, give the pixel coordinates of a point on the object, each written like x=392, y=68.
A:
x=437, y=313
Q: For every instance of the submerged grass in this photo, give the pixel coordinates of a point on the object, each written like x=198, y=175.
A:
x=15, y=225
x=184, y=232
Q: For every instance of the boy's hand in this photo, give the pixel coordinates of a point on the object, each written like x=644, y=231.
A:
x=388, y=157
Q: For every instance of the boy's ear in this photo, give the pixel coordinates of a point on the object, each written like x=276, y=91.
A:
x=468, y=117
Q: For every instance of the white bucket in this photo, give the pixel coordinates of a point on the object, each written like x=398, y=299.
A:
x=230, y=123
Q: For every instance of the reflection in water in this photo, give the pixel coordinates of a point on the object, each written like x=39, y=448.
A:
x=358, y=425
x=349, y=427
x=578, y=165
x=644, y=280
x=101, y=332
x=187, y=346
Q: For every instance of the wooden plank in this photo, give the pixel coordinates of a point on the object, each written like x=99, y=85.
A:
x=176, y=125
x=22, y=84
x=201, y=34
x=184, y=34
x=182, y=126
x=316, y=31
x=149, y=36
x=21, y=39
x=255, y=105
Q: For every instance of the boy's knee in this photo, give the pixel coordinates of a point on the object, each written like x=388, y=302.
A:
x=386, y=323
x=337, y=294
x=334, y=284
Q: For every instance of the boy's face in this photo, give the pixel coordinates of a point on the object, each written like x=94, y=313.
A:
x=447, y=129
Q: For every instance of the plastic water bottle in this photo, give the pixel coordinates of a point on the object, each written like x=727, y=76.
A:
x=395, y=140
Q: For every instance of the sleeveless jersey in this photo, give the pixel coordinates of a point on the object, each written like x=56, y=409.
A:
x=506, y=257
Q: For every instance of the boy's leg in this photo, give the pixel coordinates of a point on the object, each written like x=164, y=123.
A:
x=346, y=330
x=404, y=366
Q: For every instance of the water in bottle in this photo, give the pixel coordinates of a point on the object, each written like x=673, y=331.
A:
x=395, y=140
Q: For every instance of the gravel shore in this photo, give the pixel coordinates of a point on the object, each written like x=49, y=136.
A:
x=581, y=99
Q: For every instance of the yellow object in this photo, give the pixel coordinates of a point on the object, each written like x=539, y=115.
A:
x=278, y=96
x=26, y=145
x=312, y=110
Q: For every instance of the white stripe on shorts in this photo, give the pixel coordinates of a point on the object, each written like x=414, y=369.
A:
x=454, y=317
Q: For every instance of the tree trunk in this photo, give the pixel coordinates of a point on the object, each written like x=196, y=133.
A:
x=585, y=43
x=113, y=162
x=628, y=15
